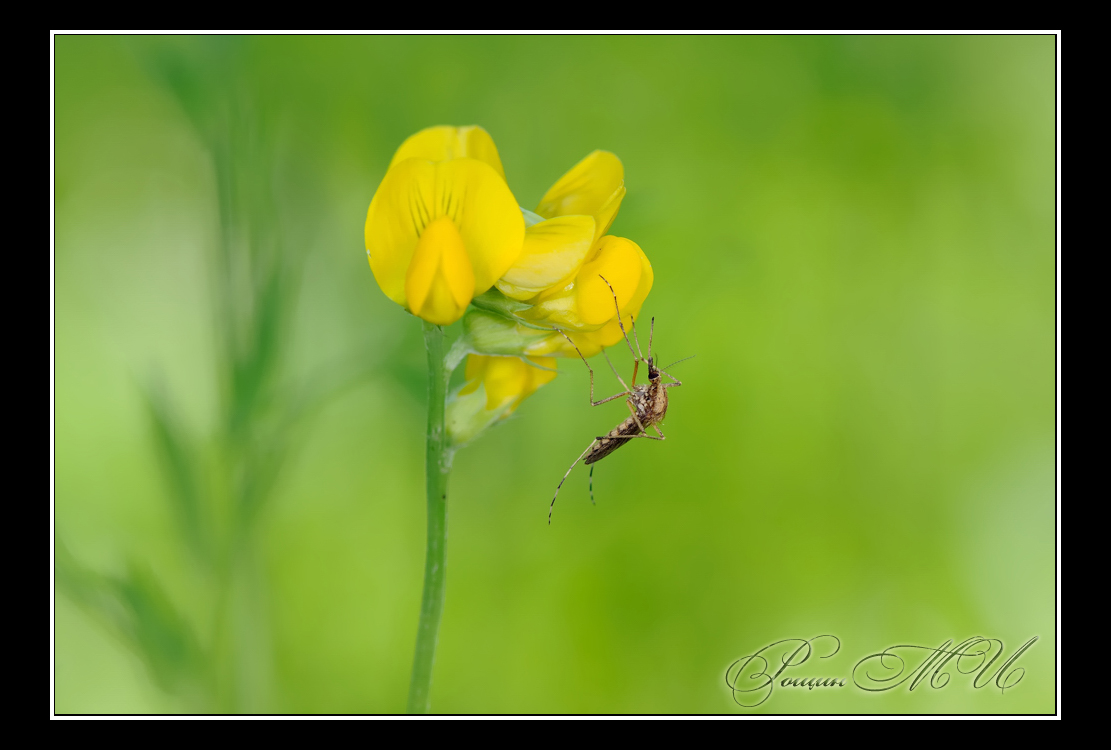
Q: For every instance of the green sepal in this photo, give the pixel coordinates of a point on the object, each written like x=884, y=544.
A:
x=467, y=416
x=490, y=333
x=494, y=301
x=530, y=217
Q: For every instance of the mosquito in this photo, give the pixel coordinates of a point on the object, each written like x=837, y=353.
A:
x=647, y=402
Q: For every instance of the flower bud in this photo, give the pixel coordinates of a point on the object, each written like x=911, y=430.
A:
x=494, y=388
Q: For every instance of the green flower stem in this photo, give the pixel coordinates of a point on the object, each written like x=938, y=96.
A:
x=437, y=468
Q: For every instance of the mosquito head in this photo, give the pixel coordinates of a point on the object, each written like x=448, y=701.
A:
x=653, y=373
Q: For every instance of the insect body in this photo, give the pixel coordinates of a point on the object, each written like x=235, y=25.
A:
x=647, y=403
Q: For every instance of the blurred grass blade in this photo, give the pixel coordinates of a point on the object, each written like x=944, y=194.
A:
x=163, y=636
x=182, y=476
x=137, y=610
x=86, y=588
x=254, y=368
x=194, y=71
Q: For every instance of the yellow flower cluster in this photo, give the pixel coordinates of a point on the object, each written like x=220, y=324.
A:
x=444, y=230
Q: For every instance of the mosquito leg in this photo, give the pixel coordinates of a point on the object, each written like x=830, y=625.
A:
x=636, y=340
x=616, y=374
x=626, y=392
x=592, y=484
x=636, y=364
x=580, y=458
x=651, y=332
x=643, y=432
x=620, y=322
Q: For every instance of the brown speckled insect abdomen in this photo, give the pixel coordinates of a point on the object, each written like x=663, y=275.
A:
x=612, y=441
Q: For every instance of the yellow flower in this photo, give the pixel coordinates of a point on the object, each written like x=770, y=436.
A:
x=578, y=209
x=494, y=388
x=443, y=226
x=553, y=250
x=568, y=259
x=507, y=381
x=587, y=303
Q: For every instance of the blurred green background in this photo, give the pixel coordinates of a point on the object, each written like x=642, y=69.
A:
x=855, y=236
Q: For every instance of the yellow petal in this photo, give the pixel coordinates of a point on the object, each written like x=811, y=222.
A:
x=506, y=378
x=506, y=382
x=538, y=376
x=439, y=283
x=487, y=216
x=394, y=221
x=609, y=334
x=556, y=345
x=553, y=252
x=550, y=345
x=643, y=286
x=594, y=186
x=618, y=262
x=557, y=310
x=415, y=192
x=476, y=366
x=535, y=377
x=444, y=142
x=588, y=304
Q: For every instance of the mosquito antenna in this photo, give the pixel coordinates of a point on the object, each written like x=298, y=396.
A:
x=619, y=321
x=684, y=359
